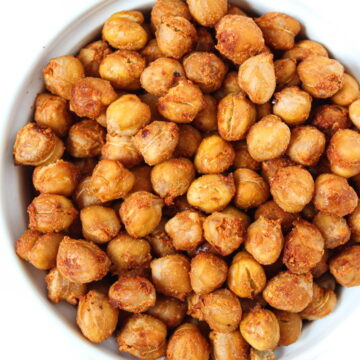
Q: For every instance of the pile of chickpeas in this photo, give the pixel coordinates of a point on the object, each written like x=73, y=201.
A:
x=197, y=180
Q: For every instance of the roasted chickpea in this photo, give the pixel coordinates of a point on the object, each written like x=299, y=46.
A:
x=322, y=266
x=285, y=73
x=231, y=210
x=344, y=153
x=238, y=38
x=187, y=343
x=251, y=189
x=293, y=105
x=354, y=113
x=205, y=40
x=151, y=51
x=354, y=223
x=157, y=141
x=207, y=12
x=175, y=36
x=25, y=243
x=268, y=138
x=143, y=336
x=327, y=281
x=270, y=167
x=123, y=69
x=348, y=93
x=230, y=85
x=84, y=195
x=290, y=327
x=304, y=49
x=333, y=195
x=61, y=73
x=161, y=243
x=35, y=145
x=228, y=346
x=235, y=115
x=261, y=355
x=170, y=275
x=111, y=180
x=289, y=292
x=206, y=119
x=189, y=140
x=243, y=159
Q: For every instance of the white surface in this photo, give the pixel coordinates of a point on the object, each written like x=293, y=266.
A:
x=27, y=328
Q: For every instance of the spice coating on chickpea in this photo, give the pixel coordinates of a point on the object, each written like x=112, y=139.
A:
x=348, y=93
x=304, y=49
x=354, y=113
x=25, y=243
x=261, y=355
x=151, y=51
x=290, y=327
x=84, y=195
x=285, y=73
x=189, y=140
x=207, y=12
x=354, y=223
x=269, y=168
x=229, y=85
x=160, y=242
x=206, y=119
x=243, y=159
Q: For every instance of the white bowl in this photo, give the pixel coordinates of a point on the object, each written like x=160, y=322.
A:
x=318, y=19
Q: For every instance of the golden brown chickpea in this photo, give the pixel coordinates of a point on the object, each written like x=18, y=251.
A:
x=344, y=153
x=322, y=266
x=123, y=30
x=268, y=138
x=172, y=178
x=229, y=346
x=127, y=115
x=170, y=275
x=348, y=93
x=35, y=145
x=224, y=231
x=214, y=155
x=161, y=243
x=289, y=292
x=84, y=195
x=230, y=85
x=187, y=343
x=180, y=204
x=293, y=105
x=60, y=177
x=151, y=51
x=205, y=40
x=320, y=76
x=25, y=243
x=271, y=167
x=234, y=10
x=142, y=179
x=211, y=192
x=208, y=273
x=257, y=78
x=261, y=355
x=111, y=180
x=194, y=306
x=61, y=73
x=175, y=36
x=157, y=141
x=304, y=247
x=333, y=195
x=238, y=38
x=235, y=115
x=81, y=261
x=206, y=119
x=127, y=253
x=123, y=69
x=185, y=230
x=243, y=158
x=221, y=310
x=189, y=140
x=345, y=266
x=292, y=188
x=260, y=328
x=132, y=293
x=231, y=210
x=207, y=12
x=205, y=69
x=290, y=327
x=354, y=223
x=59, y=288
x=251, y=189
x=354, y=113
x=49, y=212
x=304, y=49
x=285, y=73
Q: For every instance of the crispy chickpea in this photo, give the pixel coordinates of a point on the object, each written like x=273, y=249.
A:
x=211, y=192
x=304, y=247
x=35, y=145
x=123, y=30
x=330, y=118
x=142, y=179
x=293, y=105
x=152, y=101
x=81, y=261
x=231, y=210
x=214, y=155
x=208, y=273
x=261, y=355
x=221, y=310
x=123, y=69
x=344, y=153
x=61, y=73
x=285, y=73
x=205, y=69
x=235, y=10
x=206, y=119
x=205, y=40
x=229, y=346
x=172, y=178
x=320, y=76
x=187, y=343
x=151, y=51
x=235, y=115
x=243, y=159
x=238, y=38
x=84, y=195
x=111, y=180
x=289, y=292
x=127, y=253
x=354, y=113
x=354, y=223
x=194, y=306
x=60, y=177
x=246, y=277
x=175, y=36
x=322, y=266
x=229, y=85
x=271, y=167
x=161, y=244
x=86, y=138
x=257, y=78
x=189, y=140
x=157, y=141
x=207, y=12
x=59, y=288
x=348, y=93
x=25, y=243
x=304, y=49
x=292, y=188
x=182, y=102
x=170, y=275
x=224, y=231
x=251, y=189
x=268, y=138
x=333, y=195
x=185, y=230
x=290, y=327
x=260, y=328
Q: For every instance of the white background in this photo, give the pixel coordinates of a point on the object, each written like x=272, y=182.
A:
x=26, y=331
